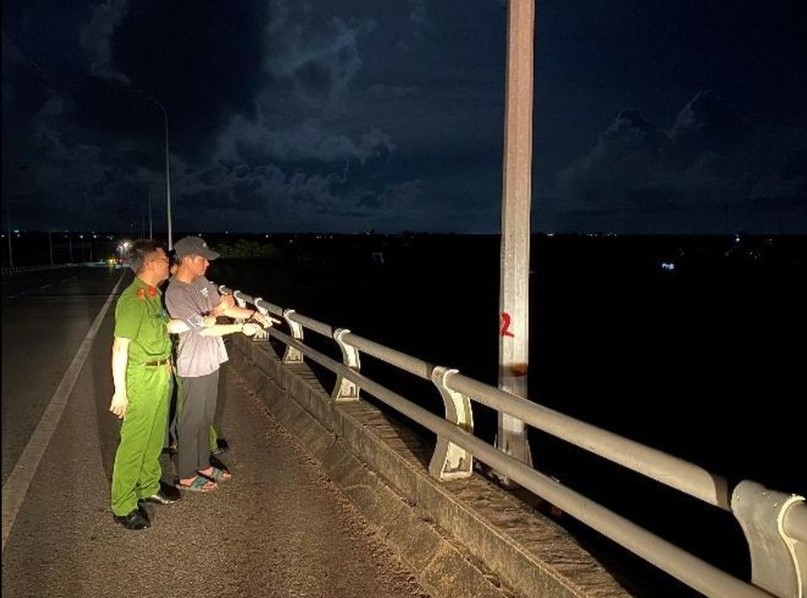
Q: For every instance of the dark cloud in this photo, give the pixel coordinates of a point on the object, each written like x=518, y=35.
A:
x=335, y=115
x=710, y=161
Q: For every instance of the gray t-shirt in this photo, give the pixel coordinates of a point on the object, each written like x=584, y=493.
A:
x=196, y=355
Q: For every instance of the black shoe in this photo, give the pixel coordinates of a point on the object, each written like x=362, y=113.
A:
x=166, y=495
x=136, y=519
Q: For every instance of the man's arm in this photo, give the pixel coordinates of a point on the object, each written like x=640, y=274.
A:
x=176, y=326
x=226, y=302
x=231, y=310
x=248, y=329
x=228, y=307
x=181, y=306
x=120, y=358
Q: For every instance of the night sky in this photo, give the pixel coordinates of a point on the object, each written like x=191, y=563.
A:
x=651, y=116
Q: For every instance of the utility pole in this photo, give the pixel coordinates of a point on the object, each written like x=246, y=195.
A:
x=151, y=230
x=515, y=249
x=8, y=224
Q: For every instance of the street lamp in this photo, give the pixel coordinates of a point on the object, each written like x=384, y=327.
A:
x=167, y=174
x=8, y=224
x=167, y=162
x=167, y=166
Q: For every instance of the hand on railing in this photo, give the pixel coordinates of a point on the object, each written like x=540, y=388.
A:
x=251, y=329
x=264, y=320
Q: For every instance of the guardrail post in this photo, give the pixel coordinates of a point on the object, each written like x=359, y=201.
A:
x=261, y=335
x=344, y=389
x=240, y=301
x=449, y=461
x=293, y=355
x=778, y=561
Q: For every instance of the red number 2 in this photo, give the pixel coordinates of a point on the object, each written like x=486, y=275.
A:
x=506, y=325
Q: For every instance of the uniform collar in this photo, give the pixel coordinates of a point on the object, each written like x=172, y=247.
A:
x=146, y=290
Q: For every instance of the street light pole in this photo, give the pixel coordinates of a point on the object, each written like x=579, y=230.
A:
x=167, y=174
x=151, y=232
x=8, y=224
x=167, y=162
x=167, y=167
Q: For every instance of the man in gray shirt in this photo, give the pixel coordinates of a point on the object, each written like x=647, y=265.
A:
x=200, y=351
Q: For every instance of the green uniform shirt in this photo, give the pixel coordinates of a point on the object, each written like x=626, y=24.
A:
x=140, y=317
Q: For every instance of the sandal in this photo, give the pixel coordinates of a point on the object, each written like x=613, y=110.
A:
x=216, y=474
x=199, y=483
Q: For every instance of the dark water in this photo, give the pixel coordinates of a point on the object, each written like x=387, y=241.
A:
x=706, y=361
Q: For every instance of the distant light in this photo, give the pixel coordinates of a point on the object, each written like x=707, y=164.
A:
x=737, y=238
x=16, y=231
x=669, y=266
x=550, y=234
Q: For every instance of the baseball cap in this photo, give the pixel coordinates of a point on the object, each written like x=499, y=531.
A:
x=194, y=246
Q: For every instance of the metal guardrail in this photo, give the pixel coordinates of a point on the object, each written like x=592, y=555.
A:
x=774, y=523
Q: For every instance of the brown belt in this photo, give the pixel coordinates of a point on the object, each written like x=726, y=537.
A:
x=158, y=362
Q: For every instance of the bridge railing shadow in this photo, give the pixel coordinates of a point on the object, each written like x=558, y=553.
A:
x=774, y=523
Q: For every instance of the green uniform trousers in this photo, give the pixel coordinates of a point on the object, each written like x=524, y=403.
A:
x=137, y=472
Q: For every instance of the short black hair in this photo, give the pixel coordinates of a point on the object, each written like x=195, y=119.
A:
x=175, y=260
x=139, y=251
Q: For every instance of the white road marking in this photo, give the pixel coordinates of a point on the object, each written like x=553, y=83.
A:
x=17, y=484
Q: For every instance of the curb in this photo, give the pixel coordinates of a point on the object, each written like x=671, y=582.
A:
x=464, y=538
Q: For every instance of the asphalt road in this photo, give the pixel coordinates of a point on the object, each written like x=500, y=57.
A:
x=278, y=528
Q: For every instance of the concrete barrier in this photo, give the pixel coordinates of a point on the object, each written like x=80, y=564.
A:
x=464, y=538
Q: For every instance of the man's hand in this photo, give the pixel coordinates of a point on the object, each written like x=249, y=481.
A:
x=250, y=329
x=264, y=320
x=208, y=321
x=227, y=301
x=120, y=402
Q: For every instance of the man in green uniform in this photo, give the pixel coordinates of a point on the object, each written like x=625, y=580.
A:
x=142, y=374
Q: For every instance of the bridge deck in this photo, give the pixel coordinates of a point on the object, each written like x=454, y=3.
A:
x=279, y=528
